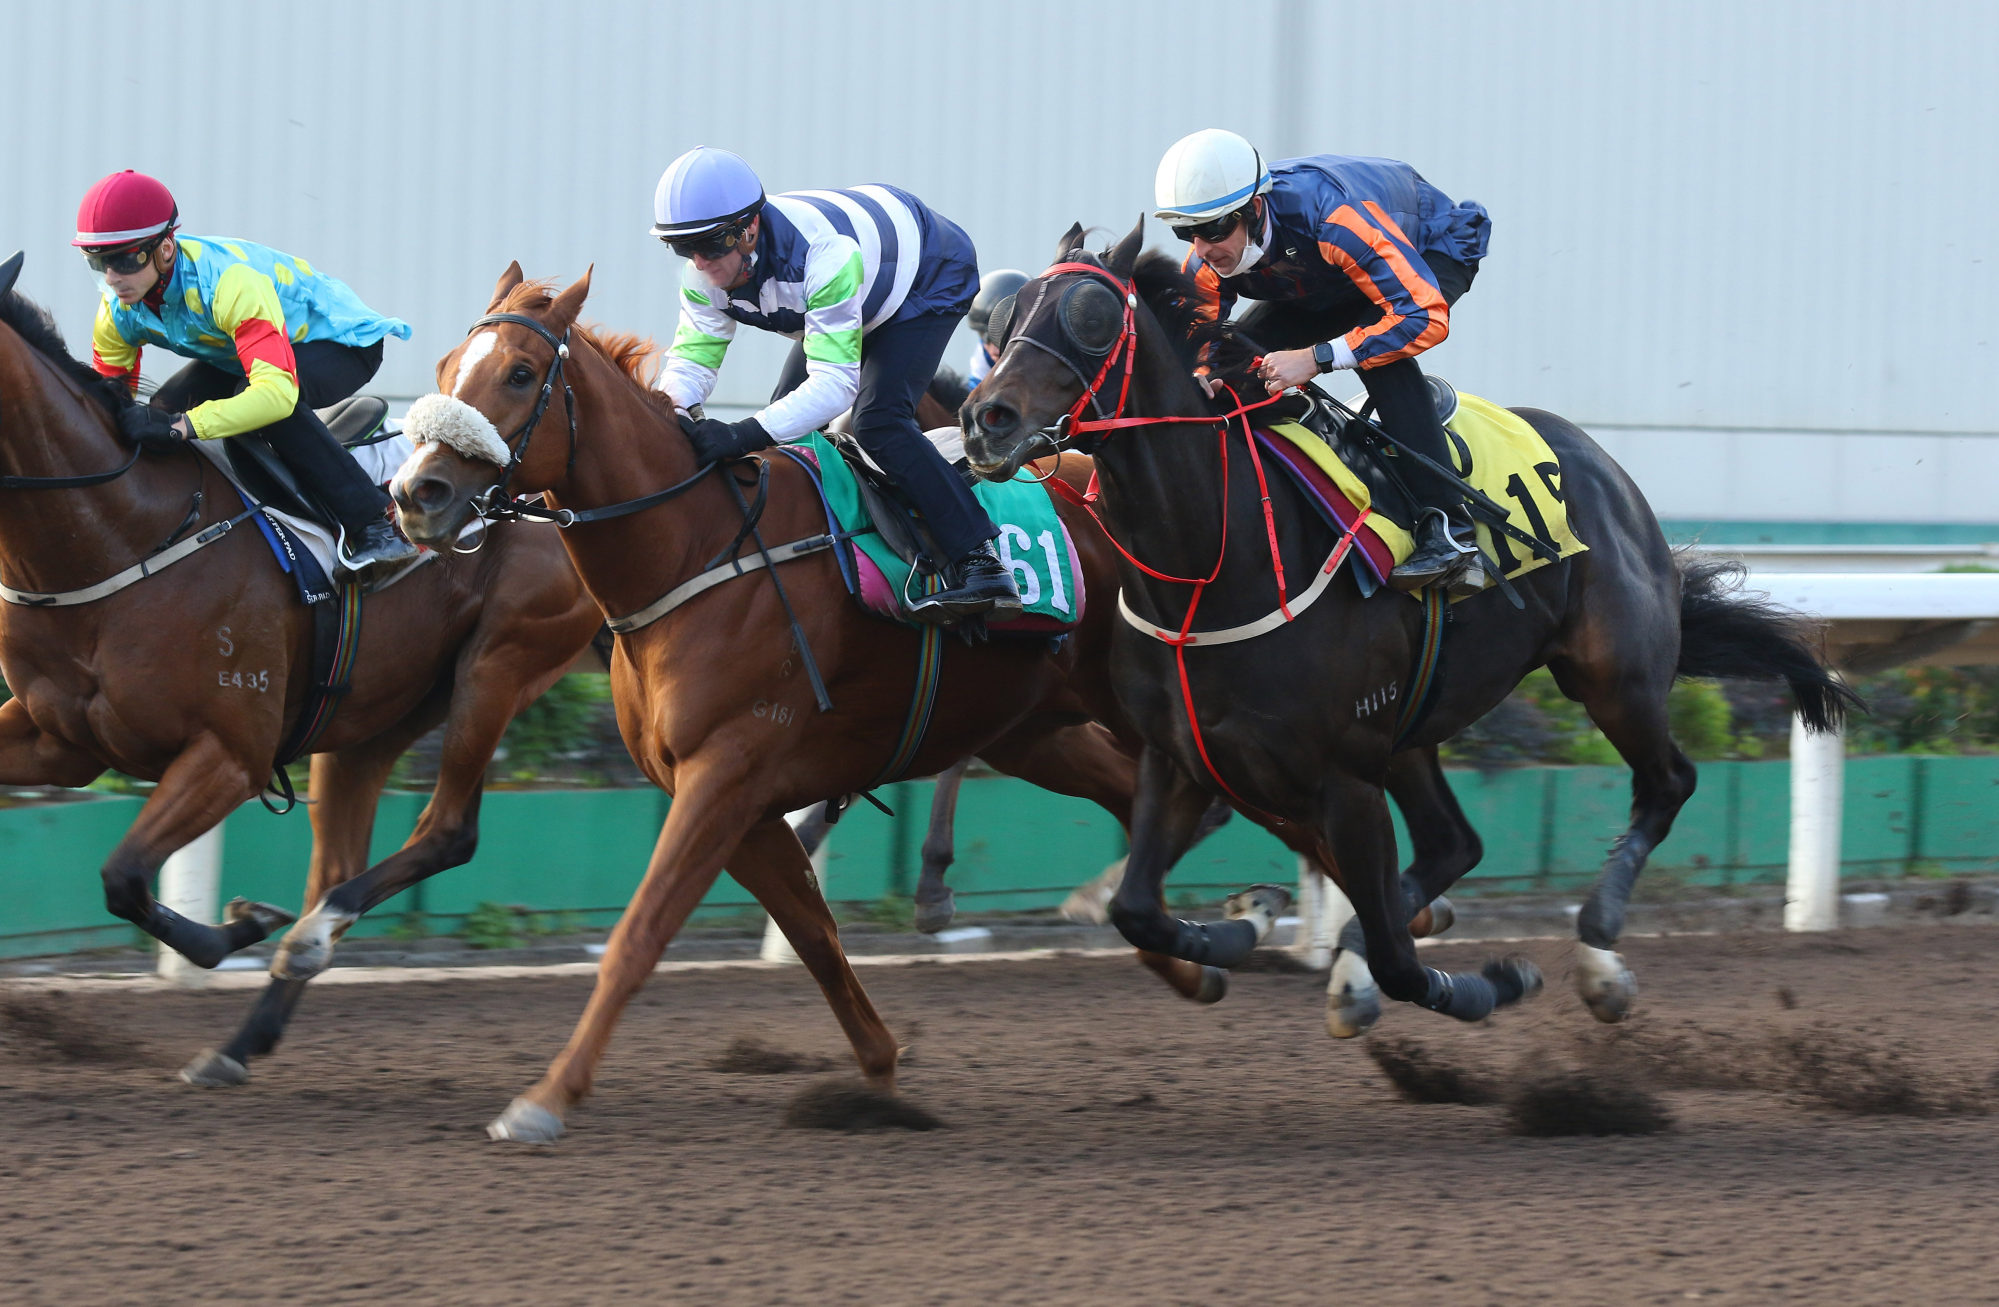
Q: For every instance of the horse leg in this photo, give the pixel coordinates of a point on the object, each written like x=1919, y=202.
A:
x=1632, y=715
x=1360, y=845
x=198, y=789
x=490, y=688
x=772, y=864
x=1166, y=811
x=346, y=790
x=711, y=810
x=29, y=756
x=1083, y=760
x=935, y=905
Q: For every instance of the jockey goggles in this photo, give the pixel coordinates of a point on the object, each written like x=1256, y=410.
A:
x=708, y=245
x=1214, y=229
x=124, y=262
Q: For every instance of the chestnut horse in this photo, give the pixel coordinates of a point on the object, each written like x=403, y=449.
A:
x=193, y=676
x=714, y=697
x=1282, y=720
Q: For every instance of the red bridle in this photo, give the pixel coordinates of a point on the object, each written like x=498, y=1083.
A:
x=1073, y=422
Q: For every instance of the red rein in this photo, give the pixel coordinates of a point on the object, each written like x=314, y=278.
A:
x=1127, y=349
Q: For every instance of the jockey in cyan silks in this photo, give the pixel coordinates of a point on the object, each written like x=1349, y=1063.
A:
x=870, y=283
x=1356, y=263
x=995, y=289
x=272, y=338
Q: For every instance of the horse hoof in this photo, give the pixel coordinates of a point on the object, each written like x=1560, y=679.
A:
x=302, y=955
x=268, y=916
x=525, y=1123
x=1214, y=985
x=215, y=1070
x=1607, y=986
x=1515, y=978
x=1353, y=1003
x=1260, y=905
x=933, y=917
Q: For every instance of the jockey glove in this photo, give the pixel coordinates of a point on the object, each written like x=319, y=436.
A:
x=715, y=441
x=149, y=428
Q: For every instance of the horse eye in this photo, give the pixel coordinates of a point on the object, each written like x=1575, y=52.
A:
x=520, y=376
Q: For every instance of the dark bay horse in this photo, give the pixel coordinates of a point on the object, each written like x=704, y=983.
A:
x=1282, y=717
x=193, y=676
x=713, y=698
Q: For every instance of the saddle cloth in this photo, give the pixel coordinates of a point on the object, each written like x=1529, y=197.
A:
x=884, y=540
x=1492, y=448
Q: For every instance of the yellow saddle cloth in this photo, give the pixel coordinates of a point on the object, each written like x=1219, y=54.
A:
x=1498, y=453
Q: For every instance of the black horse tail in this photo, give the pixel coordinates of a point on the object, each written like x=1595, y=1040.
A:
x=1725, y=632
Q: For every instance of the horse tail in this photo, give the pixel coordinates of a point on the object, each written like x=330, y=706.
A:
x=1726, y=632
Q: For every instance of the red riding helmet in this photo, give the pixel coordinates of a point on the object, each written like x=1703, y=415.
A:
x=123, y=209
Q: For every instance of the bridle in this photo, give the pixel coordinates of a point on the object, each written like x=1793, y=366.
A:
x=495, y=505
x=1123, y=349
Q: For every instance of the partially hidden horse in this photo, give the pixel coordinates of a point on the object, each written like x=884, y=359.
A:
x=194, y=675
x=716, y=697
x=1281, y=721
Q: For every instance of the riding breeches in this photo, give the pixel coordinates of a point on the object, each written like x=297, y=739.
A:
x=897, y=363
x=1400, y=395
x=327, y=374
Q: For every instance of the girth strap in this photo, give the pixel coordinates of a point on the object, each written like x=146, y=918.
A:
x=1423, y=675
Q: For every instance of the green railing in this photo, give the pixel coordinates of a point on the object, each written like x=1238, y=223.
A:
x=581, y=852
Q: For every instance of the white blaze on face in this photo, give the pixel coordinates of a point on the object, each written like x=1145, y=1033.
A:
x=475, y=352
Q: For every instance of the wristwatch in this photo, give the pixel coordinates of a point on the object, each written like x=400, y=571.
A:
x=1324, y=356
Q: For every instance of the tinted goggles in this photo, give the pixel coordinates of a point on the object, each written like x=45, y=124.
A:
x=124, y=262
x=1214, y=229
x=708, y=245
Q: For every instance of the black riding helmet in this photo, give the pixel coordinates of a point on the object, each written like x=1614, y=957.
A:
x=993, y=288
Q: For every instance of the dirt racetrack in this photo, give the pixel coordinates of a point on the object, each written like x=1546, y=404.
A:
x=1104, y=1142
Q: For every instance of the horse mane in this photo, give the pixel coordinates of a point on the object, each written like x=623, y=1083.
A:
x=632, y=353
x=1175, y=299
x=36, y=325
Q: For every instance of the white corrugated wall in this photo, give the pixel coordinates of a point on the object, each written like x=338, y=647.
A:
x=1711, y=214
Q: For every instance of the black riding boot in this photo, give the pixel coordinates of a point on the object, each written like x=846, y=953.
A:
x=1446, y=552
x=981, y=586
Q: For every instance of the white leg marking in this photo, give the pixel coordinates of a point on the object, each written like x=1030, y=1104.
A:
x=1353, y=1004
x=475, y=352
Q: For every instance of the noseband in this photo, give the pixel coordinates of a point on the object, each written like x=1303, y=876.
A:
x=492, y=502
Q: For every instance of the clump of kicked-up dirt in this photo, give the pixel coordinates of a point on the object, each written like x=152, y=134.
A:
x=1420, y=1076
x=854, y=1108
x=1823, y=1067
x=1576, y=1102
x=52, y=1026
x=749, y=1056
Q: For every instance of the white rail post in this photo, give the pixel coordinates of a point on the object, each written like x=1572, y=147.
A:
x=776, y=948
x=1323, y=911
x=1818, y=767
x=191, y=884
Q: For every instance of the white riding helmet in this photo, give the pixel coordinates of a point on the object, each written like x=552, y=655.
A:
x=1206, y=175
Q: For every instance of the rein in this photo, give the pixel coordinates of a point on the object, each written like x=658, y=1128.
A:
x=1073, y=423
x=73, y=482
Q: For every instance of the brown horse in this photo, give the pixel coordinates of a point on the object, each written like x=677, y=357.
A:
x=193, y=676
x=713, y=698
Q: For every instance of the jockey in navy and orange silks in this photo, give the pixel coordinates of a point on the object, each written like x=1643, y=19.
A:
x=1356, y=263
x=272, y=337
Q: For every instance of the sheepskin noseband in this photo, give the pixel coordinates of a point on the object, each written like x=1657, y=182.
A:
x=455, y=424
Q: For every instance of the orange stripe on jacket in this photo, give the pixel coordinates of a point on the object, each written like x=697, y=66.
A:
x=1426, y=296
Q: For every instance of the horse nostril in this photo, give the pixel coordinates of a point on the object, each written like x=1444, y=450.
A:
x=430, y=493
x=997, y=418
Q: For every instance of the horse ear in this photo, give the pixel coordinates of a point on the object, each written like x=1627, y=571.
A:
x=509, y=279
x=1124, y=255
x=10, y=270
x=1072, y=239
x=569, y=303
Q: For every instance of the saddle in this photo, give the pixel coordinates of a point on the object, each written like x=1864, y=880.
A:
x=355, y=421
x=1357, y=442
x=897, y=521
